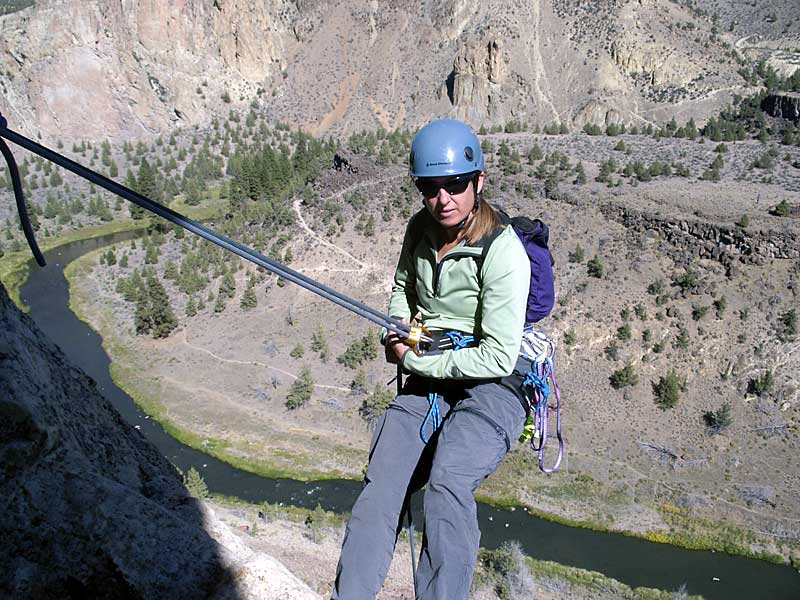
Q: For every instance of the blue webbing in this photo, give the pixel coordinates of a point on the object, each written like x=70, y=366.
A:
x=459, y=341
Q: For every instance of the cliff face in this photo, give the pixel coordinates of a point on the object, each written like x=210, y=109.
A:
x=91, y=69
x=88, y=508
x=783, y=105
x=79, y=68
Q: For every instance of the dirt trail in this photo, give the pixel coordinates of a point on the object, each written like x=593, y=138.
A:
x=183, y=339
x=296, y=205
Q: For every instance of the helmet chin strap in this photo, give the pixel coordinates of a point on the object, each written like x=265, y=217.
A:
x=475, y=206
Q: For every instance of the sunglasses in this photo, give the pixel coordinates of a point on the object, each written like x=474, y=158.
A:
x=429, y=187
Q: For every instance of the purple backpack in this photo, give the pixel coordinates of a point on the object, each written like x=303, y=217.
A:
x=534, y=235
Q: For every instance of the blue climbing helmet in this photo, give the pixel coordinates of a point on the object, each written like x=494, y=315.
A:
x=445, y=147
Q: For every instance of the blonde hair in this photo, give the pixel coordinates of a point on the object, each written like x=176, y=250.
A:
x=484, y=221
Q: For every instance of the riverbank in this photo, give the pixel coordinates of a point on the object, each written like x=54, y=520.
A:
x=308, y=543
x=14, y=265
x=129, y=367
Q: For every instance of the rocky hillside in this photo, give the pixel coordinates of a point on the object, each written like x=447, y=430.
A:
x=324, y=66
x=89, y=509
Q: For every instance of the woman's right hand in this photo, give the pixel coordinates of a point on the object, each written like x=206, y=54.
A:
x=395, y=347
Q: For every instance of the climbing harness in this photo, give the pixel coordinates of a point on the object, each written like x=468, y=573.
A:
x=451, y=340
x=237, y=248
x=540, y=350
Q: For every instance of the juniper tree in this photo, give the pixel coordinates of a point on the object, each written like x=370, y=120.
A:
x=667, y=389
x=195, y=484
x=718, y=420
x=626, y=376
x=162, y=318
x=594, y=267
x=249, y=299
x=374, y=405
x=301, y=390
x=319, y=344
x=191, y=307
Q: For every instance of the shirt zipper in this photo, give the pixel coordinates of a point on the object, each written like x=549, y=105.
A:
x=437, y=273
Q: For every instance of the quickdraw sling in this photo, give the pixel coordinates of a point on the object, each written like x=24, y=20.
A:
x=540, y=350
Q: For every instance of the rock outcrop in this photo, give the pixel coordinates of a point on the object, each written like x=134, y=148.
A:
x=687, y=240
x=479, y=70
x=89, y=508
x=783, y=105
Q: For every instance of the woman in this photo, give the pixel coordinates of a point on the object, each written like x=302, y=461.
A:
x=454, y=420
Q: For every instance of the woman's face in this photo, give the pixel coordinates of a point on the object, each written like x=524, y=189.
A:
x=450, y=208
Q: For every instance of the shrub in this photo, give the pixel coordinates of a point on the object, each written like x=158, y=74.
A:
x=744, y=221
x=640, y=311
x=763, y=384
x=720, y=305
x=297, y=351
x=782, y=209
x=682, y=340
x=626, y=376
x=667, y=390
x=656, y=288
x=788, y=324
x=577, y=255
x=687, y=280
x=698, y=312
x=506, y=571
x=570, y=337
x=624, y=332
x=373, y=406
x=718, y=420
x=595, y=267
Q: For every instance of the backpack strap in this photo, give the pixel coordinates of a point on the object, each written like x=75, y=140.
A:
x=487, y=240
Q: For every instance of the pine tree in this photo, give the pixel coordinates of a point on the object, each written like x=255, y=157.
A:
x=320, y=344
x=219, y=305
x=162, y=317
x=191, y=307
x=249, y=299
x=301, y=390
x=227, y=287
x=195, y=484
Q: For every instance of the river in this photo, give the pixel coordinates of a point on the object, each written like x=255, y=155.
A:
x=635, y=562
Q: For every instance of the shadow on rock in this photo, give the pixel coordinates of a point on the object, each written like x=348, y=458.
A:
x=88, y=507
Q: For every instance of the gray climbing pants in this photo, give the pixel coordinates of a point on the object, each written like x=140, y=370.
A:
x=480, y=421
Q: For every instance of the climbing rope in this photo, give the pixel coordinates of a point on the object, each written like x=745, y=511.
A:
x=237, y=248
x=540, y=350
x=455, y=340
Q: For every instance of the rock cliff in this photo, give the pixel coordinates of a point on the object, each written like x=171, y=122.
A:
x=91, y=69
x=783, y=105
x=89, y=509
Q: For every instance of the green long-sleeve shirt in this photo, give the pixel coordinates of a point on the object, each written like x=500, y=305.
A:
x=451, y=294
